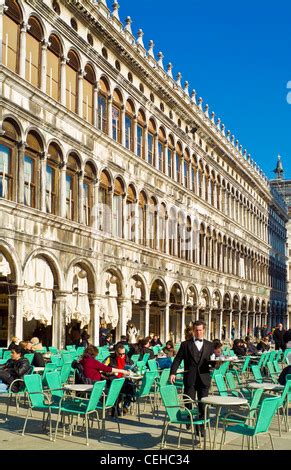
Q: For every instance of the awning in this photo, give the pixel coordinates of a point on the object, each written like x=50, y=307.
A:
x=109, y=310
x=78, y=308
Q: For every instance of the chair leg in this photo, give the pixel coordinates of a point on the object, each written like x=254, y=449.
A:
x=209, y=434
x=279, y=422
x=243, y=443
x=25, y=422
x=87, y=436
x=50, y=418
x=57, y=425
x=271, y=439
x=179, y=436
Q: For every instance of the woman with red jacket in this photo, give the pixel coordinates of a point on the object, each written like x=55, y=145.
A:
x=93, y=368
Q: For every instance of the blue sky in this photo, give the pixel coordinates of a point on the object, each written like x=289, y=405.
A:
x=237, y=55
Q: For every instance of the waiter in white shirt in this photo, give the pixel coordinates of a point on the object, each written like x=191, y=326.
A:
x=196, y=354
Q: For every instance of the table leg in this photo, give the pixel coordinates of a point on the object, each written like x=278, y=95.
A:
x=218, y=410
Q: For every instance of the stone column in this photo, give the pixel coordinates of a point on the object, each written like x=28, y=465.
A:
x=44, y=47
x=220, y=324
x=123, y=316
x=239, y=324
x=167, y=322
x=134, y=134
x=63, y=208
x=80, y=93
x=63, y=81
x=166, y=158
x=147, y=318
x=95, y=205
x=109, y=117
x=156, y=150
x=59, y=320
x=122, y=123
x=146, y=147
x=21, y=154
x=209, y=325
x=81, y=198
x=43, y=161
x=95, y=319
x=15, y=311
x=95, y=106
x=22, y=49
x=3, y=8
x=182, y=323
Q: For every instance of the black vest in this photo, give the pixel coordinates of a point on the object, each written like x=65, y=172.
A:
x=197, y=353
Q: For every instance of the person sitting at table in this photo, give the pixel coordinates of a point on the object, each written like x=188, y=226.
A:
x=156, y=341
x=141, y=348
x=282, y=377
x=36, y=345
x=15, y=368
x=14, y=342
x=264, y=344
x=120, y=360
x=169, y=349
x=38, y=360
x=93, y=369
x=239, y=347
x=251, y=348
x=217, y=347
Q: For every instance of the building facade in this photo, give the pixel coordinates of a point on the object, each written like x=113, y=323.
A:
x=121, y=197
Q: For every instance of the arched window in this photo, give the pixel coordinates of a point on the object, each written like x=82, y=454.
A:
x=52, y=183
x=88, y=94
x=88, y=192
x=104, y=202
x=103, y=95
x=194, y=174
x=202, y=246
x=218, y=193
x=142, y=218
x=172, y=232
x=33, y=52
x=53, y=68
x=129, y=125
x=180, y=235
x=72, y=72
x=32, y=170
x=162, y=228
x=153, y=222
x=72, y=187
x=179, y=162
x=171, y=152
x=8, y=158
x=200, y=180
x=206, y=184
x=12, y=20
x=117, y=210
x=151, y=142
x=187, y=169
x=130, y=213
x=116, y=116
x=140, y=134
x=161, y=150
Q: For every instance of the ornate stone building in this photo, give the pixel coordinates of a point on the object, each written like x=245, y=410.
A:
x=121, y=197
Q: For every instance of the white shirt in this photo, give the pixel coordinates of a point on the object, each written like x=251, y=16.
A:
x=198, y=344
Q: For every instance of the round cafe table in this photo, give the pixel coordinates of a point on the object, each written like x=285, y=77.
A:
x=78, y=387
x=218, y=402
x=265, y=385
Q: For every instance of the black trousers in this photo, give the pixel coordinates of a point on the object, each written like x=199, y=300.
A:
x=200, y=390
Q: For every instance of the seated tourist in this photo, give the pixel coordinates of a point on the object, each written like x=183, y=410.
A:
x=36, y=344
x=14, y=342
x=169, y=349
x=217, y=345
x=282, y=377
x=251, y=348
x=239, y=347
x=264, y=344
x=156, y=341
x=38, y=360
x=120, y=360
x=93, y=369
x=15, y=368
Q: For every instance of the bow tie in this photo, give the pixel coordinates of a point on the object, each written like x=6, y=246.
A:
x=200, y=340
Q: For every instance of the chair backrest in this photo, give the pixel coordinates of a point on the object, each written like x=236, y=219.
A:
x=220, y=383
x=286, y=391
x=266, y=359
x=286, y=352
x=276, y=366
x=33, y=384
x=80, y=350
x=7, y=354
x=29, y=357
x=147, y=383
x=68, y=356
x=65, y=372
x=53, y=349
x=246, y=364
x=288, y=358
x=231, y=353
x=141, y=366
x=231, y=383
x=114, y=391
x=57, y=360
x=261, y=360
x=152, y=363
x=223, y=368
x=156, y=350
x=266, y=413
x=1, y=352
x=96, y=395
x=164, y=377
x=135, y=358
x=54, y=384
x=170, y=401
x=255, y=401
x=146, y=358
x=49, y=367
x=71, y=347
x=256, y=371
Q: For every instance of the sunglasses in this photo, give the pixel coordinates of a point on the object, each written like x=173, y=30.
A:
x=121, y=354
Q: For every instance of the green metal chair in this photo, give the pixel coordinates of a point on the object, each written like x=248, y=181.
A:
x=53, y=350
x=145, y=391
x=220, y=384
x=283, y=404
x=83, y=407
x=178, y=414
x=38, y=400
x=260, y=425
x=29, y=357
x=238, y=391
x=65, y=372
x=141, y=367
x=6, y=355
x=110, y=401
x=145, y=358
x=135, y=358
x=71, y=347
x=273, y=375
x=153, y=366
x=256, y=371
